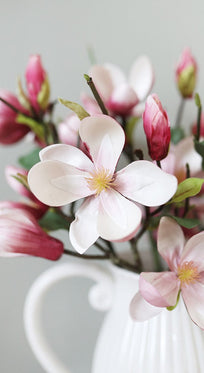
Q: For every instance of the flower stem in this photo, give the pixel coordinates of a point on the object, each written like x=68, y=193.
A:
x=17, y=111
x=96, y=94
x=98, y=257
x=180, y=113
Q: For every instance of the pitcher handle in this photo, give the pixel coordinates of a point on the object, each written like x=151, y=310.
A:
x=100, y=297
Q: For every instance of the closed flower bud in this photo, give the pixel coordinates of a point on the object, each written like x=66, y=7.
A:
x=20, y=234
x=157, y=128
x=37, y=84
x=10, y=130
x=186, y=74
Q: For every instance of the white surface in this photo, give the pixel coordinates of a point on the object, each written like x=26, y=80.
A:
x=60, y=31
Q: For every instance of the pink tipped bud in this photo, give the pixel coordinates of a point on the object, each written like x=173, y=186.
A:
x=10, y=130
x=21, y=234
x=157, y=128
x=186, y=74
x=37, y=83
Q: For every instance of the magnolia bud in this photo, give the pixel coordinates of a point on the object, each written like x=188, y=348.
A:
x=11, y=130
x=37, y=83
x=157, y=128
x=186, y=74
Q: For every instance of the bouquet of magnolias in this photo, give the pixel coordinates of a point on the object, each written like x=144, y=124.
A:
x=75, y=164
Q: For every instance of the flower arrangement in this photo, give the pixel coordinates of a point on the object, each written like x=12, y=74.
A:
x=71, y=180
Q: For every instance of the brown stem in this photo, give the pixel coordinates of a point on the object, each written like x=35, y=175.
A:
x=96, y=94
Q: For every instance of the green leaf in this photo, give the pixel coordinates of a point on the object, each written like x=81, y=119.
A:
x=53, y=221
x=36, y=127
x=78, y=109
x=177, y=134
x=197, y=100
x=28, y=161
x=187, y=188
x=186, y=223
x=22, y=179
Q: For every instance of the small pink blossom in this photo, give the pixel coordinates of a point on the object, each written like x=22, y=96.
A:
x=185, y=275
x=10, y=130
x=186, y=73
x=37, y=83
x=20, y=234
x=157, y=128
x=124, y=96
x=65, y=174
x=68, y=130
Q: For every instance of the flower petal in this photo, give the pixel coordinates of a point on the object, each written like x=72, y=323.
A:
x=141, y=310
x=193, y=296
x=68, y=154
x=118, y=217
x=83, y=230
x=117, y=75
x=141, y=77
x=170, y=242
x=144, y=182
x=193, y=251
x=185, y=153
x=159, y=289
x=102, y=80
x=93, y=130
x=56, y=183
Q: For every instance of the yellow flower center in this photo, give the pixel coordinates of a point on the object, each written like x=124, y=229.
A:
x=188, y=273
x=100, y=180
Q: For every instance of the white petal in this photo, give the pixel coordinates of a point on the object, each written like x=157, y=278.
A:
x=48, y=179
x=118, y=217
x=141, y=77
x=140, y=310
x=193, y=251
x=138, y=110
x=93, y=130
x=145, y=183
x=170, y=242
x=185, y=153
x=67, y=154
x=117, y=75
x=83, y=230
x=102, y=80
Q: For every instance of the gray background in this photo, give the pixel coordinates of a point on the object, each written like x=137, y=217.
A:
x=61, y=31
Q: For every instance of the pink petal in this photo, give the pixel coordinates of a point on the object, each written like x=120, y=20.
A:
x=67, y=154
x=94, y=129
x=122, y=100
x=118, y=217
x=185, y=153
x=193, y=296
x=56, y=183
x=170, y=242
x=141, y=77
x=194, y=251
x=105, y=158
x=90, y=104
x=138, y=110
x=140, y=310
x=83, y=230
x=159, y=289
x=102, y=80
x=145, y=183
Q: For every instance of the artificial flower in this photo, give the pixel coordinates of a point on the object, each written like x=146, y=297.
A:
x=20, y=234
x=185, y=275
x=124, y=96
x=186, y=74
x=11, y=130
x=157, y=128
x=65, y=174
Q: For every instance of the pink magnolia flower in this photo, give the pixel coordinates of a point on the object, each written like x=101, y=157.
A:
x=124, y=96
x=185, y=275
x=20, y=234
x=10, y=130
x=65, y=174
x=186, y=73
x=181, y=154
x=157, y=128
x=36, y=207
x=68, y=130
x=37, y=83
